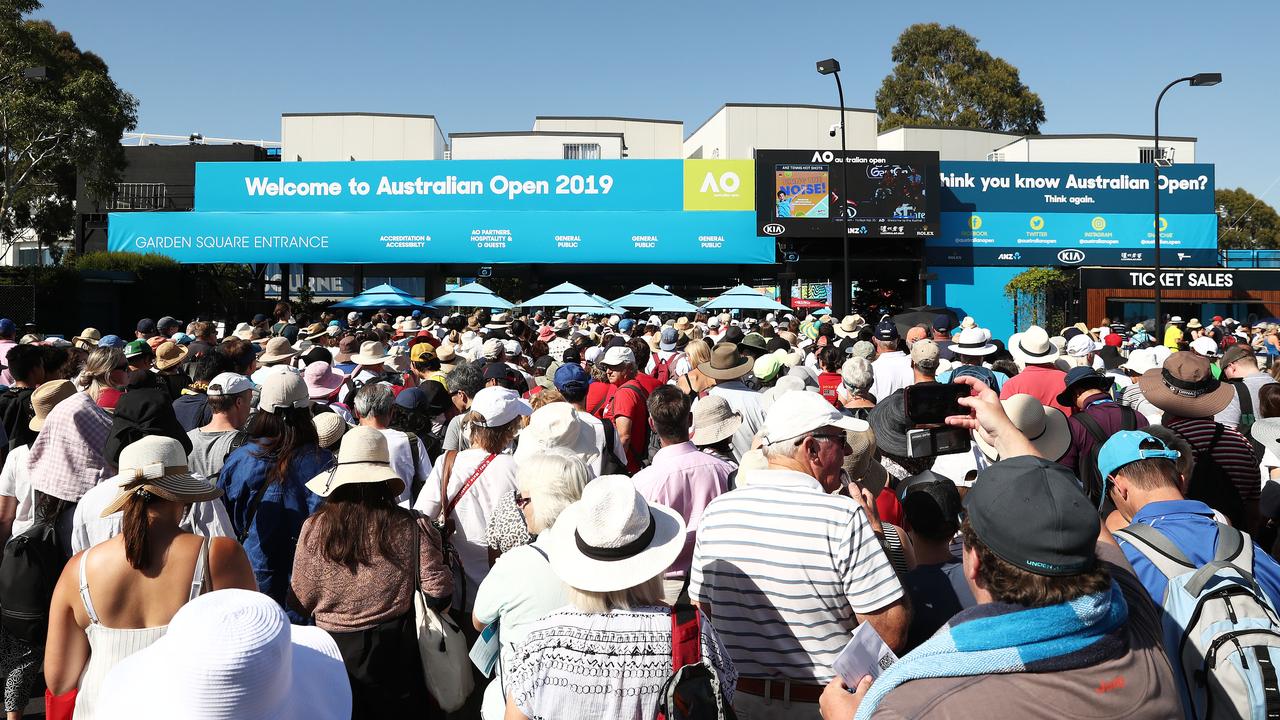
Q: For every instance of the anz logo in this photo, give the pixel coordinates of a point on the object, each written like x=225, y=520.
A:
x=774, y=229
x=1071, y=257
x=1009, y=256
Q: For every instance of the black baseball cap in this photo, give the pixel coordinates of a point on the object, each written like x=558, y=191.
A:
x=886, y=331
x=1033, y=515
x=930, y=503
x=147, y=326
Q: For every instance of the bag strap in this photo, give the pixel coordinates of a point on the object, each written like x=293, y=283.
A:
x=254, y=504
x=475, y=475
x=686, y=634
x=1091, y=426
x=1242, y=393
x=1168, y=559
x=1234, y=551
x=1128, y=418
x=417, y=461
x=449, y=457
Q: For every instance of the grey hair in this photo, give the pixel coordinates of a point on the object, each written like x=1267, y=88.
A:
x=553, y=480
x=467, y=378
x=857, y=373
x=783, y=449
x=374, y=400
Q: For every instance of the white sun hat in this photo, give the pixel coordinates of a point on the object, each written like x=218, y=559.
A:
x=559, y=425
x=612, y=539
x=231, y=654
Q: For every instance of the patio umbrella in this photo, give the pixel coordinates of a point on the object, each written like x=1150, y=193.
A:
x=656, y=298
x=570, y=296
x=382, y=296
x=472, y=295
x=923, y=315
x=744, y=298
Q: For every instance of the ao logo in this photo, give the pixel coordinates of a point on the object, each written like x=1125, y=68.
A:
x=1071, y=257
x=1099, y=224
x=1037, y=223
x=823, y=156
x=728, y=182
x=975, y=222
x=1164, y=224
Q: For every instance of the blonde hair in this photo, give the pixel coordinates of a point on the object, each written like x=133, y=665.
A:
x=648, y=592
x=546, y=397
x=697, y=352
x=96, y=375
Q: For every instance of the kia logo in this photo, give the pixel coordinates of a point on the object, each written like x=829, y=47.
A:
x=1071, y=257
x=774, y=229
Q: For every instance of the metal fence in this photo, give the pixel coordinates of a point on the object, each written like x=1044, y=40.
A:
x=18, y=303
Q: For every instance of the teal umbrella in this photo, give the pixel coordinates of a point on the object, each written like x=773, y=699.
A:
x=568, y=295
x=381, y=296
x=656, y=298
x=744, y=298
x=472, y=295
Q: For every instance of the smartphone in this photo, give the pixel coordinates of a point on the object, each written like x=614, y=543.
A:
x=932, y=403
x=934, y=441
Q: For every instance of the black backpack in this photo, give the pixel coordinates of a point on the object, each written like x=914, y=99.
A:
x=29, y=572
x=1211, y=484
x=610, y=464
x=16, y=413
x=1087, y=467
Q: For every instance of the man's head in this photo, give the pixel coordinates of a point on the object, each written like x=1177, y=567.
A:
x=140, y=357
x=572, y=382
x=641, y=350
x=1043, y=554
x=373, y=404
x=26, y=364
x=619, y=365
x=8, y=329
x=168, y=325
x=230, y=395
x=1138, y=468
x=146, y=328
x=803, y=432
x=932, y=507
x=464, y=382
x=669, y=414
x=924, y=359
x=206, y=367
x=1083, y=385
x=1238, y=361
x=886, y=336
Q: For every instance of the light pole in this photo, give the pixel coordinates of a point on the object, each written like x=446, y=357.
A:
x=831, y=66
x=1197, y=80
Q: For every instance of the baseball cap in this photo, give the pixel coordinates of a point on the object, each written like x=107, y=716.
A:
x=497, y=370
x=1235, y=353
x=924, y=350
x=795, y=413
x=1033, y=515
x=1081, y=345
x=930, y=501
x=1129, y=446
x=7, y=326
x=1217, y=318
x=422, y=352
x=498, y=406
x=167, y=321
x=146, y=326
x=667, y=341
x=942, y=323
x=571, y=377
x=626, y=325
x=886, y=331
x=1205, y=346
x=618, y=356
x=111, y=341
x=492, y=349
x=1113, y=340
x=284, y=388
x=137, y=348
x=228, y=384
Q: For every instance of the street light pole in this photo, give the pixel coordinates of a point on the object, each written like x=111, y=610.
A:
x=1197, y=80
x=831, y=66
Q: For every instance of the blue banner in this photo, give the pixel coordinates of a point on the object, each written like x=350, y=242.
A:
x=1074, y=187
x=444, y=237
x=1044, y=256
x=452, y=185
x=1066, y=230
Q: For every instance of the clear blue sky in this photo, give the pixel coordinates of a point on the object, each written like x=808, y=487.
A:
x=229, y=69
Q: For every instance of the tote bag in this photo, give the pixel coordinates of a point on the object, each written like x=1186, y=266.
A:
x=442, y=648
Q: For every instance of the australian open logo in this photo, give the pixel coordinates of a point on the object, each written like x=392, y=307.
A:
x=1071, y=257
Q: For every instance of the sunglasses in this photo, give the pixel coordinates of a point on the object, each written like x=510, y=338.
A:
x=840, y=437
x=521, y=502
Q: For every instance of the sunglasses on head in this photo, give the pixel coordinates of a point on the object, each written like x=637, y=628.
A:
x=521, y=502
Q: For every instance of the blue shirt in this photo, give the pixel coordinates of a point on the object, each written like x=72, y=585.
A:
x=1189, y=524
x=273, y=535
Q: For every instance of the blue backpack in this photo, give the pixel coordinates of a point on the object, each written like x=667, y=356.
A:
x=1221, y=631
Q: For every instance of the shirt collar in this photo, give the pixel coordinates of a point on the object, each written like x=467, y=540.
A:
x=1172, y=507
x=784, y=478
x=674, y=451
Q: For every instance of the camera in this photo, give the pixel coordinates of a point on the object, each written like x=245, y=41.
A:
x=929, y=442
x=835, y=128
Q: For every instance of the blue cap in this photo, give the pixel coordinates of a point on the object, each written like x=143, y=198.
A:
x=942, y=323
x=571, y=377
x=417, y=313
x=626, y=325
x=8, y=327
x=1130, y=446
x=182, y=338
x=667, y=341
x=335, y=323
x=111, y=341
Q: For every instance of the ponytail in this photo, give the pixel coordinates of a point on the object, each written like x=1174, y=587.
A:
x=134, y=528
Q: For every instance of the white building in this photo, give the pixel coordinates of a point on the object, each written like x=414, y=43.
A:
x=360, y=136
x=950, y=143
x=644, y=139
x=1103, y=148
x=737, y=129
x=537, y=145
x=24, y=249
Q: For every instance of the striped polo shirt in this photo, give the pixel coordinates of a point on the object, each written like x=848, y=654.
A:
x=784, y=567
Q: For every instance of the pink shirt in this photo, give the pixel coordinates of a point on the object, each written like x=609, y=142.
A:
x=685, y=479
x=1042, y=383
x=5, y=347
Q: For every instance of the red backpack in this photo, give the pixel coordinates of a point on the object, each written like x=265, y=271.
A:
x=662, y=368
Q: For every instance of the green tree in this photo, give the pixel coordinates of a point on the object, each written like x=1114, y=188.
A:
x=942, y=78
x=1245, y=222
x=69, y=124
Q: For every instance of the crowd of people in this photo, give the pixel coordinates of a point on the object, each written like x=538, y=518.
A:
x=252, y=520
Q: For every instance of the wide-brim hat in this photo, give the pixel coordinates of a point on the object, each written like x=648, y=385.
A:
x=170, y=354
x=89, y=337
x=612, y=539
x=158, y=465
x=1194, y=324
x=278, y=350
x=558, y=425
x=1082, y=378
x=46, y=397
x=1046, y=427
x=1033, y=347
x=322, y=381
x=1185, y=387
x=713, y=421
x=1267, y=432
x=364, y=458
x=972, y=342
x=849, y=326
x=329, y=428
x=726, y=363
x=371, y=353
x=231, y=654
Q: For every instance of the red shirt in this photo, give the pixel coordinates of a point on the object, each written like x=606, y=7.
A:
x=1042, y=383
x=628, y=401
x=648, y=382
x=829, y=385
x=598, y=394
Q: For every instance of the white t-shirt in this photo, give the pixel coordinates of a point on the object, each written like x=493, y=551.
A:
x=402, y=461
x=1269, y=460
x=15, y=482
x=471, y=514
x=892, y=372
x=88, y=527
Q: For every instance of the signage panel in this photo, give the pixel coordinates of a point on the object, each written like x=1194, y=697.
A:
x=1198, y=278
x=1074, y=188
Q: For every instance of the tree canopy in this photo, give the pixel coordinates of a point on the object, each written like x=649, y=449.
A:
x=52, y=129
x=1245, y=222
x=941, y=77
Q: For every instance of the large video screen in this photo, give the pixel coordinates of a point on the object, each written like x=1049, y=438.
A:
x=801, y=193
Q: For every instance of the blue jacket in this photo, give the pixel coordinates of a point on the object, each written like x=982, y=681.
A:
x=273, y=535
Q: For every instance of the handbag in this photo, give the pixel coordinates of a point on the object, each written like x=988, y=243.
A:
x=441, y=645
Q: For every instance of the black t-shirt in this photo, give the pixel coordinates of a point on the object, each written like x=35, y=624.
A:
x=937, y=593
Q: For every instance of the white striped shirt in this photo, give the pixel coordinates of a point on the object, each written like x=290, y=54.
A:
x=784, y=567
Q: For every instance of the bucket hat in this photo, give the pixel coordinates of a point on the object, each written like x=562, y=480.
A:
x=347, y=346
x=726, y=363
x=278, y=350
x=158, y=465
x=169, y=354
x=321, y=379
x=713, y=421
x=558, y=425
x=1082, y=378
x=46, y=397
x=364, y=458
x=849, y=326
x=612, y=539
x=1033, y=347
x=87, y=339
x=1046, y=427
x=371, y=352
x=1140, y=361
x=1185, y=387
x=231, y=655
x=329, y=428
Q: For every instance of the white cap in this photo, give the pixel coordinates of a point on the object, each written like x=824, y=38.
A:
x=713, y=321
x=228, y=384
x=618, y=356
x=498, y=406
x=593, y=354
x=769, y=317
x=493, y=349
x=283, y=388
x=795, y=413
x=1081, y=345
x=1205, y=346
x=512, y=347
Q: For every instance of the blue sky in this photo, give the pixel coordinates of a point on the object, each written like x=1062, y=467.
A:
x=229, y=69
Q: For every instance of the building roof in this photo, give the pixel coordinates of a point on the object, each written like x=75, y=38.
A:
x=536, y=133
x=1098, y=136
x=925, y=126
x=778, y=105
x=605, y=117
x=360, y=114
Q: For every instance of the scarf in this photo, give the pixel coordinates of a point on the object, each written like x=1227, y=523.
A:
x=1005, y=638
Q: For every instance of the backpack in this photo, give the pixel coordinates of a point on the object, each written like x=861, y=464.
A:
x=1247, y=417
x=1221, y=631
x=1211, y=484
x=16, y=413
x=662, y=368
x=654, y=443
x=693, y=691
x=610, y=463
x=1087, y=467
x=28, y=573
x=240, y=438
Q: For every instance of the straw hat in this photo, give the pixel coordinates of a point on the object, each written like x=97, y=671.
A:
x=231, y=654
x=682, y=324
x=278, y=350
x=371, y=352
x=713, y=420
x=558, y=425
x=972, y=342
x=1194, y=324
x=849, y=326
x=1046, y=427
x=315, y=331
x=158, y=465
x=87, y=339
x=329, y=428
x=726, y=363
x=612, y=539
x=169, y=354
x=46, y=397
x=1184, y=386
x=364, y=458
x=1033, y=347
